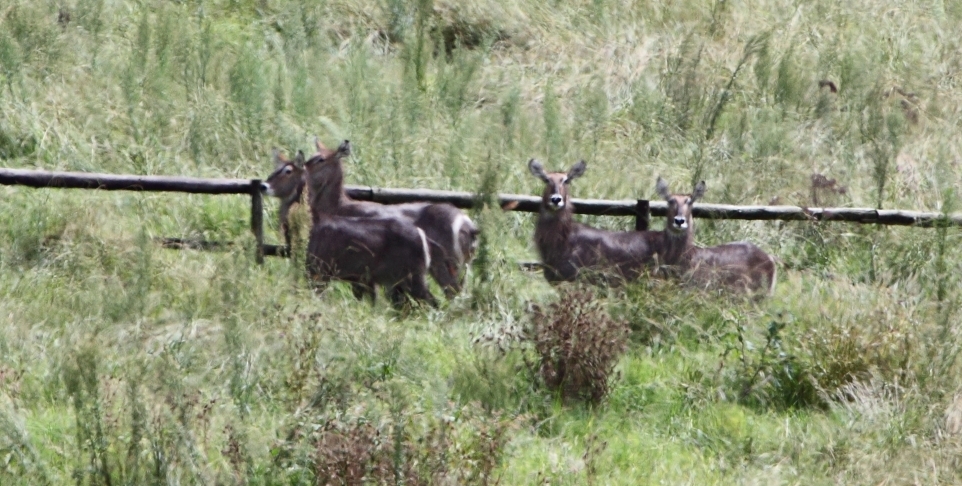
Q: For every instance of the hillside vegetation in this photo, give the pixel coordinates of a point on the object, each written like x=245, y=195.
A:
x=125, y=363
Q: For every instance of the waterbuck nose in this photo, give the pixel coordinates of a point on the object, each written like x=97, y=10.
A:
x=679, y=221
x=556, y=199
x=265, y=187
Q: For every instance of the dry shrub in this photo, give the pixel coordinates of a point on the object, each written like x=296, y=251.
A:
x=820, y=359
x=578, y=345
x=464, y=448
x=869, y=347
x=349, y=453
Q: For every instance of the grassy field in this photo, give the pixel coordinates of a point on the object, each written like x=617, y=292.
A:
x=124, y=363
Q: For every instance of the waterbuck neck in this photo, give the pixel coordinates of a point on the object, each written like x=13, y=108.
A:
x=677, y=246
x=553, y=230
x=297, y=197
x=327, y=188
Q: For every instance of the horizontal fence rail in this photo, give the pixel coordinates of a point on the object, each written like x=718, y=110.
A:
x=117, y=182
x=627, y=207
x=641, y=209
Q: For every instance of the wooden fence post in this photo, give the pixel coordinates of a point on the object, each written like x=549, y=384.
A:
x=642, y=215
x=257, y=219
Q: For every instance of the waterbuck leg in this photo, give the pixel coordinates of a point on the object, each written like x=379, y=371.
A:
x=421, y=292
x=360, y=290
x=397, y=296
x=446, y=274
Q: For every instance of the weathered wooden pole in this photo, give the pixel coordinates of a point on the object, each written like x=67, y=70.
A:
x=257, y=219
x=642, y=215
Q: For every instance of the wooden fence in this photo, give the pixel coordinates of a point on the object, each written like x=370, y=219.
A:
x=640, y=209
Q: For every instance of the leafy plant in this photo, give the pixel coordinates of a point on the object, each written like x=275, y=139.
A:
x=767, y=375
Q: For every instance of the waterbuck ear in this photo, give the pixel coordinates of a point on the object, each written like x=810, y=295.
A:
x=698, y=192
x=537, y=170
x=318, y=145
x=299, y=159
x=661, y=187
x=344, y=149
x=576, y=171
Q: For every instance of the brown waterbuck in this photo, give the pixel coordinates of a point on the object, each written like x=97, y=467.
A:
x=365, y=251
x=739, y=266
x=570, y=250
x=287, y=184
x=452, y=233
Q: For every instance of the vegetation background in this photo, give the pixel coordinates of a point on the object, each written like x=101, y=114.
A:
x=123, y=363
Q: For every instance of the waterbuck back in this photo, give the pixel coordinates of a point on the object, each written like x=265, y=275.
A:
x=370, y=252
x=739, y=266
x=570, y=250
x=452, y=233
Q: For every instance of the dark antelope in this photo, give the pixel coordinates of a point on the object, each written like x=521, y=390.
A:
x=569, y=249
x=739, y=266
x=287, y=184
x=367, y=252
x=452, y=232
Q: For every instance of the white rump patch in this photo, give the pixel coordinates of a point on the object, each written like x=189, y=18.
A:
x=456, y=227
x=771, y=288
x=424, y=245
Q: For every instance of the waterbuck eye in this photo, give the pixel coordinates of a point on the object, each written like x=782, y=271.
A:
x=288, y=169
x=565, y=181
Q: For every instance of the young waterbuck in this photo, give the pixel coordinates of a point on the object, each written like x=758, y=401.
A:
x=452, y=233
x=368, y=252
x=571, y=250
x=287, y=184
x=739, y=266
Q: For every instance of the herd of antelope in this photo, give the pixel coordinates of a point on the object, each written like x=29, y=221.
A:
x=394, y=246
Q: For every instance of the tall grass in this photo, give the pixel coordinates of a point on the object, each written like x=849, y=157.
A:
x=121, y=362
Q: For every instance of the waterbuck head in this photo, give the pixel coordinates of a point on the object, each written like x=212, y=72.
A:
x=324, y=170
x=679, y=206
x=287, y=180
x=555, y=196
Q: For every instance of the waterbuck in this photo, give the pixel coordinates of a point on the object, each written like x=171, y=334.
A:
x=365, y=252
x=570, y=250
x=287, y=184
x=452, y=232
x=370, y=252
x=739, y=266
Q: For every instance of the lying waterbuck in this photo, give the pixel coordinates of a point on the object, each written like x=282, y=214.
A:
x=739, y=266
x=287, y=184
x=570, y=250
x=452, y=232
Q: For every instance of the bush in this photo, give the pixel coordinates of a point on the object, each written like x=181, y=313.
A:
x=770, y=376
x=463, y=448
x=578, y=345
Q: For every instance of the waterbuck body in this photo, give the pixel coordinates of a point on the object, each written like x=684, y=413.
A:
x=571, y=250
x=370, y=252
x=452, y=233
x=739, y=266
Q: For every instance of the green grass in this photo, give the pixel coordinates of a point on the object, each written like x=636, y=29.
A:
x=122, y=362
